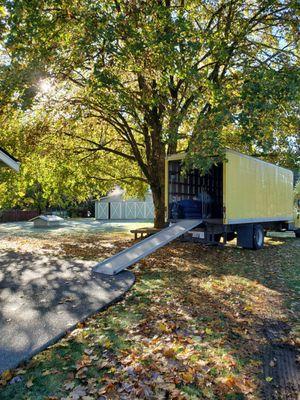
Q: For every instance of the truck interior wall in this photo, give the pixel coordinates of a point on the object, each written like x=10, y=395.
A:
x=191, y=185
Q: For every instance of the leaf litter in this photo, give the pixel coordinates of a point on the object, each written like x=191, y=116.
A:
x=191, y=327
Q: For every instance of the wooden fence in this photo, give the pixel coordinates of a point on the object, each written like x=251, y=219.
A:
x=17, y=215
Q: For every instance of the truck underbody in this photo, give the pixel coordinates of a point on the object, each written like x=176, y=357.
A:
x=249, y=236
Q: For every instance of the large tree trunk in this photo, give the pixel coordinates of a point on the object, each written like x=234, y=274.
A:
x=159, y=206
x=157, y=185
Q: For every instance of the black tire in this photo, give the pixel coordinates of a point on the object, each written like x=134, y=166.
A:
x=258, y=237
x=297, y=233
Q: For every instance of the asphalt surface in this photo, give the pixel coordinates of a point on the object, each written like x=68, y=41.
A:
x=72, y=226
x=42, y=297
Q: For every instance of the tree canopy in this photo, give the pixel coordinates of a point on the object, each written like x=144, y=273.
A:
x=163, y=76
x=56, y=171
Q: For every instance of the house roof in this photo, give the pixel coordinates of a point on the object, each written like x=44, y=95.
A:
x=9, y=160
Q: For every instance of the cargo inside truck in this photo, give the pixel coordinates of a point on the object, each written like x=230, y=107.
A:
x=191, y=195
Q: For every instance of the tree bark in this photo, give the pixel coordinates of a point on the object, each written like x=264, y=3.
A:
x=157, y=185
x=159, y=206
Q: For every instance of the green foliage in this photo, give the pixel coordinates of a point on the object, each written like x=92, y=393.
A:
x=54, y=171
x=162, y=75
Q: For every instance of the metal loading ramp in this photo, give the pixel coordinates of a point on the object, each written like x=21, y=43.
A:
x=127, y=257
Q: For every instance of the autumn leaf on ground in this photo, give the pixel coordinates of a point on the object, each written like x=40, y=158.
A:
x=69, y=385
x=77, y=393
x=83, y=362
x=169, y=352
x=163, y=327
x=187, y=377
x=184, y=330
x=5, y=377
x=107, y=344
x=46, y=372
x=29, y=383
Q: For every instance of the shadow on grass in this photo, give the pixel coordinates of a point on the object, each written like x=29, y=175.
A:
x=216, y=301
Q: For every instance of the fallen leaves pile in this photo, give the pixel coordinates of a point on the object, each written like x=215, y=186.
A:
x=66, y=245
x=190, y=328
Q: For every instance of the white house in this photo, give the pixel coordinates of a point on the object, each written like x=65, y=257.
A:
x=8, y=160
x=116, y=206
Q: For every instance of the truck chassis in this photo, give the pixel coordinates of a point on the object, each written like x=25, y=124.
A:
x=249, y=236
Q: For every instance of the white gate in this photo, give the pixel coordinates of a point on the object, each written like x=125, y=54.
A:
x=140, y=210
x=116, y=210
x=101, y=210
x=130, y=211
x=149, y=210
x=124, y=210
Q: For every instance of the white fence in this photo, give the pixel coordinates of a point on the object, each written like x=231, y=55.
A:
x=124, y=210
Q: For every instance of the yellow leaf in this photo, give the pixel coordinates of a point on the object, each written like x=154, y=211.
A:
x=230, y=381
x=163, y=327
x=107, y=344
x=21, y=371
x=6, y=375
x=47, y=372
x=169, y=352
x=208, y=331
x=29, y=383
x=187, y=377
x=207, y=393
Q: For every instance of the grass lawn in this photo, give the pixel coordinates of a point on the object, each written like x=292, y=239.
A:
x=192, y=327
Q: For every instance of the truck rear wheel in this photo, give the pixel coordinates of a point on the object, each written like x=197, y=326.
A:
x=258, y=237
x=297, y=233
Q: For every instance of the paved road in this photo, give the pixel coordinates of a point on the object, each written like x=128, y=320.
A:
x=42, y=297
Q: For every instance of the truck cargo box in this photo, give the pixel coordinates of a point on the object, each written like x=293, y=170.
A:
x=242, y=189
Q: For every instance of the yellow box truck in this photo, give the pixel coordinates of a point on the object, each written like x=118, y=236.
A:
x=242, y=197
